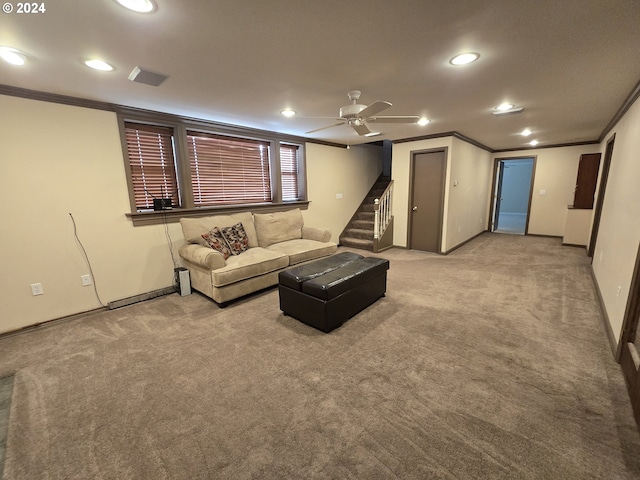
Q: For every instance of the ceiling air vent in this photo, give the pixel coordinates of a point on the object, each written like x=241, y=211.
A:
x=145, y=76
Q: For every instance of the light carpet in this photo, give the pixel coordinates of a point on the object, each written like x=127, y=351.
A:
x=489, y=363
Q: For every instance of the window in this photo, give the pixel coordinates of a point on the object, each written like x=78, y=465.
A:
x=228, y=170
x=204, y=165
x=289, y=172
x=152, y=162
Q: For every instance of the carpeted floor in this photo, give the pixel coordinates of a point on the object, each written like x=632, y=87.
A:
x=6, y=389
x=489, y=363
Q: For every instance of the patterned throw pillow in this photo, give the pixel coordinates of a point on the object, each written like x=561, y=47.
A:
x=215, y=240
x=236, y=238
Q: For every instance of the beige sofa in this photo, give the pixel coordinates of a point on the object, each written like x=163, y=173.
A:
x=275, y=240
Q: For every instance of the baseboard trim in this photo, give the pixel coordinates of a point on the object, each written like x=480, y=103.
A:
x=543, y=235
x=613, y=342
x=141, y=298
x=110, y=306
x=51, y=322
x=574, y=245
x=464, y=243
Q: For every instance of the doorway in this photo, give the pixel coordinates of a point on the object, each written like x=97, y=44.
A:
x=428, y=172
x=601, y=193
x=629, y=346
x=513, y=183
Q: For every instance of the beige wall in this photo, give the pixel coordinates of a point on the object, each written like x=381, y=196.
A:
x=400, y=173
x=334, y=172
x=555, y=174
x=466, y=205
x=619, y=234
x=58, y=159
x=468, y=202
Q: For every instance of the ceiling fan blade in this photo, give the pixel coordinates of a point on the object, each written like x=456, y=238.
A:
x=374, y=108
x=394, y=119
x=362, y=129
x=324, y=128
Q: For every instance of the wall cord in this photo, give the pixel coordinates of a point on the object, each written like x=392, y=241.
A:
x=86, y=258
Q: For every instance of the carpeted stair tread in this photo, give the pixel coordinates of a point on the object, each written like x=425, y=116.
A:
x=370, y=216
x=363, y=224
x=359, y=233
x=357, y=243
x=367, y=207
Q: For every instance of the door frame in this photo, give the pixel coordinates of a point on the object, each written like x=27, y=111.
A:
x=413, y=155
x=494, y=186
x=602, y=190
x=626, y=348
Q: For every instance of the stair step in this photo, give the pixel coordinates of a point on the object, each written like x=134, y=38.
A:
x=359, y=233
x=367, y=207
x=370, y=216
x=364, y=224
x=357, y=243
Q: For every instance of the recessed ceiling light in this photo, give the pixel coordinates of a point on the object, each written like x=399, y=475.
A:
x=288, y=112
x=98, y=65
x=140, y=6
x=12, y=56
x=423, y=121
x=533, y=142
x=504, y=108
x=372, y=134
x=464, y=58
x=526, y=132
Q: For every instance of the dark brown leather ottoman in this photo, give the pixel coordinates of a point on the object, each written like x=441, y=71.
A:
x=326, y=293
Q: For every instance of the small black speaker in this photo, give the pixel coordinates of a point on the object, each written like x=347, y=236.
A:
x=162, y=204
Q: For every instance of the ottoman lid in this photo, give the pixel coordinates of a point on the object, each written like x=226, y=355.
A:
x=343, y=279
x=296, y=276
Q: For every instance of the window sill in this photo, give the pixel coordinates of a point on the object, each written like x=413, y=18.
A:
x=174, y=215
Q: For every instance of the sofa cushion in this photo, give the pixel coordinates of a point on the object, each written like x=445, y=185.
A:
x=216, y=240
x=249, y=264
x=301, y=250
x=278, y=226
x=193, y=228
x=236, y=238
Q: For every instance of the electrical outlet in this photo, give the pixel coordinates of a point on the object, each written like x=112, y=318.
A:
x=86, y=280
x=36, y=289
x=619, y=290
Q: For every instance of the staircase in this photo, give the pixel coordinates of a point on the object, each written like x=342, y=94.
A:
x=359, y=231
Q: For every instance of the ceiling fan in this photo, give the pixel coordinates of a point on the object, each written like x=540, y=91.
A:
x=357, y=116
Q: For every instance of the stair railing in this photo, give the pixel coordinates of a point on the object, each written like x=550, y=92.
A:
x=382, y=210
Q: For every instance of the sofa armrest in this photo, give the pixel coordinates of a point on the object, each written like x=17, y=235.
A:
x=318, y=234
x=203, y=256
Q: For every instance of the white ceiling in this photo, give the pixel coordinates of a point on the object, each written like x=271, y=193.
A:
x=571, y=63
